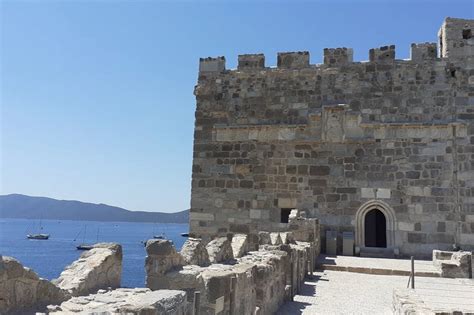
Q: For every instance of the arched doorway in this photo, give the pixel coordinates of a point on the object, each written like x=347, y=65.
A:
x=375, y=230
x=365, y=218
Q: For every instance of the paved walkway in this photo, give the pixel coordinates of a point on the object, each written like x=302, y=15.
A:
x=381, y=266
x=337, y=292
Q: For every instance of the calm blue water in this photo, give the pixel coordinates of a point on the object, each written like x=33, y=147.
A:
x=48, y=258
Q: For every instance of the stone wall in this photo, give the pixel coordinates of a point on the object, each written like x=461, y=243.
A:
x=258, y=281
x=139, y=301
x=453, y=264
x=23, y=292
x=98, y=268
x=338, y=140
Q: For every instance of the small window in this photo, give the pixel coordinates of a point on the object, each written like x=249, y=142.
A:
x=285, y=214
x=466, y=34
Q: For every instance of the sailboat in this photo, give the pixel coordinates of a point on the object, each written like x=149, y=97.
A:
x=161, y=236
x=38, y=236
x=84, y=245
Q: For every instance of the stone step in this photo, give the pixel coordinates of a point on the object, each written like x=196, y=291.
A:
x=376, y=252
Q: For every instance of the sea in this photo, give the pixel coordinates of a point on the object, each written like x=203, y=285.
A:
x=48, y=258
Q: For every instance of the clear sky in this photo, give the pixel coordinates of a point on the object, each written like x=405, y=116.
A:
x=97, y=96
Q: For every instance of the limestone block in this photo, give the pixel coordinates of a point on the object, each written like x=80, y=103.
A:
x=98, y=268
x=271, y=270
x=423, y=51
x=251, y=62
x=287, y=238
x=161, y=258
x=293, y=60
x=385, y=53
x=22, y=291
x=212, y=64
x=453, y=264
x=294, y=214
x=383, y=193
x=406, y=226
x=264, y=238
x=255, y=213
x=367, y=193
x=338, y=56
x=286, y=203
x=275, y=238
x=406, y=301
x=138, y=301
x=239, y=245
x=194, y=252
x=197, y=216
x=220, y=250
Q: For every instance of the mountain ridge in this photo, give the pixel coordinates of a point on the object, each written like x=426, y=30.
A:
x=18, y=206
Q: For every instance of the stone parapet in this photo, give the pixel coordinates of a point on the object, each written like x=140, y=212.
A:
x=137, y=301
x=258, y=280
x=23, y=292
x=98, y=268
x=453, y=264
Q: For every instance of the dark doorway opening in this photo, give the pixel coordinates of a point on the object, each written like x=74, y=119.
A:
x=285, y=214
x=375, y=229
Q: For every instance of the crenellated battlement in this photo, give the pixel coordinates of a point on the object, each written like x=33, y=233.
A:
x=456, y=40
x=338, y=138
x=382, y=54
x=338, y=56
x=423, y=51
x=293, y=60
x=251, y=62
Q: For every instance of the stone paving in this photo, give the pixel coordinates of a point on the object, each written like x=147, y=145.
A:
x=383, y=266
x=339, y=292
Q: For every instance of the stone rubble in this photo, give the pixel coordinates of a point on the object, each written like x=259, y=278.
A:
x=161, y=258
x=220, y=250
x=259, y=280
x=22, y=291
x=98, y=268
x=194, y=252
x=453, y=264
x=239, y=245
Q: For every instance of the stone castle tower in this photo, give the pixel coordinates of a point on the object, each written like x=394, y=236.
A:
x=383, y=148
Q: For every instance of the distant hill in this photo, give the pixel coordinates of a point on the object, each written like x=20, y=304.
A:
x=27, y=207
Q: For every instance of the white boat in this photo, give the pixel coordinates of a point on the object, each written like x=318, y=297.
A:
x=37, y=236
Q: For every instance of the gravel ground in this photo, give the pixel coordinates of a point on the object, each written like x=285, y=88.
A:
x=338, y=292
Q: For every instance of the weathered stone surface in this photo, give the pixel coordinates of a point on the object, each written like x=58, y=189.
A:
x=453, y=264
x=275, y=238
x=22, y=291
x=161, y=258
x=329, y=138
x=239, y=245
x=194, y=252
x=138, y=301
x=220, y=250
x=98, y=268
x=264, y=238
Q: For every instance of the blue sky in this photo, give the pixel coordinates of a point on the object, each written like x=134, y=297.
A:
x=97, y=96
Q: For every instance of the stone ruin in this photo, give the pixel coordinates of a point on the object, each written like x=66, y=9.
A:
x=241, y=274
x=453, y=264
x=98, y=268
x=23, y=292
x=236, y=274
